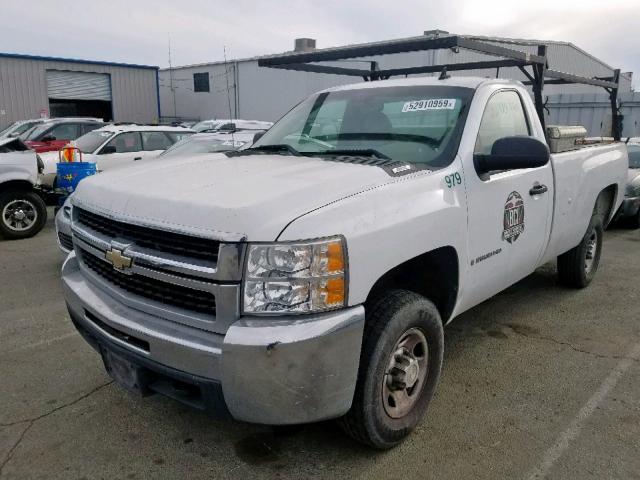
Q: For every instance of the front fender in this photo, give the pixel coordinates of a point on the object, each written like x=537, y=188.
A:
x=390, y=224
x=15, y=167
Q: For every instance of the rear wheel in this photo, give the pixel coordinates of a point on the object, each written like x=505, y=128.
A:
x=634, y=222
x=22, y=214
x=578, y=266
x=399, y=369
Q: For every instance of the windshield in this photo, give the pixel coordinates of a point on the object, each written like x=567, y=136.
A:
x=23, y=128
x=35, y=132
x=415, y=124
x=193, y=145
x=12, y=127
x=634, y=156
x=90, y=142
x=24, y=135
x=205, y=125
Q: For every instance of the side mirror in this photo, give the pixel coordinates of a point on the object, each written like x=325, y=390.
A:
x=258, y=135
x=48, y=138
x=14, y=135
x=512, y=153
x=108, y=149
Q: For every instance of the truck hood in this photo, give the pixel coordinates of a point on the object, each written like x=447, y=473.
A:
x=250, y=197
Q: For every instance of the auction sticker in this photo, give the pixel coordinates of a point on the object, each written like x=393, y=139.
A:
x=431, y=104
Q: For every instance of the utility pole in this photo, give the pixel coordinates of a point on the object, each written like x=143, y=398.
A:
x=171, y=87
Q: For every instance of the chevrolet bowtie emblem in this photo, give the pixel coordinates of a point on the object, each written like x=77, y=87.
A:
x=117, y=259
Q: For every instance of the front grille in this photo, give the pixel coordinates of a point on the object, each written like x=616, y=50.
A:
x=65, y=241
x=163, y=292
x=160, y=240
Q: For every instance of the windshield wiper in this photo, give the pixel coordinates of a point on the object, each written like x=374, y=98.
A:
x=278, y=147
x=354, y=152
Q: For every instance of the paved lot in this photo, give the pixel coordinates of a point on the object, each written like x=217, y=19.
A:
x=537, y=381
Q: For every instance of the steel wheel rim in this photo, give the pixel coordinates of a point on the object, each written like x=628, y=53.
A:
x=592, y=249
x=406, y=373
x=19, y=215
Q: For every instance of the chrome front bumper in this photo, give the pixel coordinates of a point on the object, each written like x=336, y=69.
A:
x=273, y=370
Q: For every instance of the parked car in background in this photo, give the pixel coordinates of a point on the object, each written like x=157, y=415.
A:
x=231, y=125
x=54, y=134
x=210, y=143
x=18, y=128
x=118, y=145
x=630, y=209
x=22, y=211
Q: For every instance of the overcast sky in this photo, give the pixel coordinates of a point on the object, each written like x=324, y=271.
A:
x=138, y=31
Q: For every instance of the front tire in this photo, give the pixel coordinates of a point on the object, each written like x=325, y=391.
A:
x=578, y=266
x=22, y=214
x=399, y=369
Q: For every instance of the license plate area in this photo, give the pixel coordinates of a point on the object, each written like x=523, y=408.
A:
x=129, y=376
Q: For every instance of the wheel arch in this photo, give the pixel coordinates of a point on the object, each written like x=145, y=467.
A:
x=15, y=185
x=605, y=203
x=434, y=274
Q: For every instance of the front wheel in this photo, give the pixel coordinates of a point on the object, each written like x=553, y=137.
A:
x=578, y=266
x=400, y=365
x=22, y=214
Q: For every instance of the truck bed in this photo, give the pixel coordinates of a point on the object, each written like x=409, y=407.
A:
x=579, y=177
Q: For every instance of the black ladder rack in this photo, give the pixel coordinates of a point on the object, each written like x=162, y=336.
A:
x=539, y=75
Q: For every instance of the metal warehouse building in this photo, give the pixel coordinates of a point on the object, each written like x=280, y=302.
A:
x=33, y=87
x=242, y=89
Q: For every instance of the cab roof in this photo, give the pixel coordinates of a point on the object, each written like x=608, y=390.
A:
x=452, y=81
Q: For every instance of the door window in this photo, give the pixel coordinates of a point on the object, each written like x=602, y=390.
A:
x=64, y=131
x=126, y=142
x=177, y=136
x=634, y=156
x=503, y=117
x=155, y=141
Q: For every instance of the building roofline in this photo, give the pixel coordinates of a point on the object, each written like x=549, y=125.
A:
x=75, y=60
x=514, y=41
x=531, y=43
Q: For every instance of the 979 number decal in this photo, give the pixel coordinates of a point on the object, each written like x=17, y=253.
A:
x=453, y=180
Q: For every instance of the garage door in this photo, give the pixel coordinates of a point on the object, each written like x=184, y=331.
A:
x=63, y=85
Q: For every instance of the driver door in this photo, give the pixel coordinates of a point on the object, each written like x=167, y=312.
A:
x=509, y=219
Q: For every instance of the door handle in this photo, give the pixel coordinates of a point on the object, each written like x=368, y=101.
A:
x=137, y=158
x=538, y=190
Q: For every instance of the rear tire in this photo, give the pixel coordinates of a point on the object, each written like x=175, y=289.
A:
x=400, y=365
x=22, y=214
x=578, y=266
x=634, y=222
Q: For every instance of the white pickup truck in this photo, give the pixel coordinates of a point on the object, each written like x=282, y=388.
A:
x=311, y=275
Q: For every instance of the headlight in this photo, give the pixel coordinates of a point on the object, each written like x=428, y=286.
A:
x=295, y=278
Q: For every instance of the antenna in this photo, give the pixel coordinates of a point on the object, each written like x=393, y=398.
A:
x=226, y=74
x=171, y=87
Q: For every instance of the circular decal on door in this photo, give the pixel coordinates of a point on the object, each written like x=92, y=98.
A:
x=513, y=217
